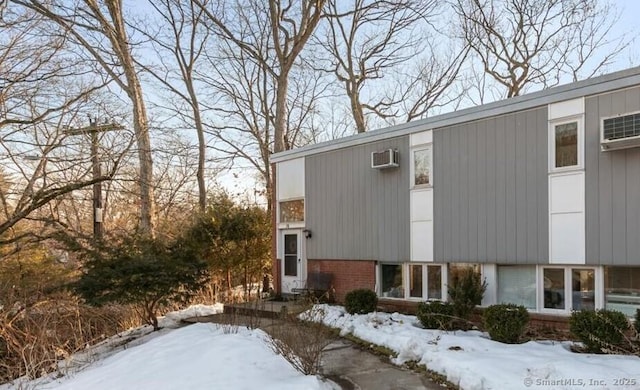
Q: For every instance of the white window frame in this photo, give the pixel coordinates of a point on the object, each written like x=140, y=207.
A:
x=579, y=119
x=598, y=288
x=291, y=225
x=425, y=281
x=415, y=149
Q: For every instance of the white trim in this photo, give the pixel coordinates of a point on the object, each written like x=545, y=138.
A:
x=421, y=138
x=579, y=119
x=566, y=200
x=566, y=108
x=412, y=167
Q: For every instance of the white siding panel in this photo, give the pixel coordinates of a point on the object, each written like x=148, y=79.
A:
x=422, y=205
x=567, y=239
x=567, y=193
x=424, y=137
x=290, y=179
x=422, y=241
x=566, y=108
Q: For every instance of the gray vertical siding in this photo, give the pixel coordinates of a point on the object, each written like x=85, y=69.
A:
x=491, y=190
x=354, y=211
x=612, y=186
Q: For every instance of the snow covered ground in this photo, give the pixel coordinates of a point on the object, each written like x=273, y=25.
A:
x=199, y=356
x=474, y=362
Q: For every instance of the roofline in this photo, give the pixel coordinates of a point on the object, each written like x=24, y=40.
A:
x=592, y=86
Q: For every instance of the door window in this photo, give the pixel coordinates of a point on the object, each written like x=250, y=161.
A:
x=291, y=255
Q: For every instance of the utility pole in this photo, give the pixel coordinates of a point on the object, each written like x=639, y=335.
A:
x=93, y=129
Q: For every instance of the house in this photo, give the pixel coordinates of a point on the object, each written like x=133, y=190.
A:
x=540, y=193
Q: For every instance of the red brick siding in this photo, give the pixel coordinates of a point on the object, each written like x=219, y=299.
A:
x=347, y=274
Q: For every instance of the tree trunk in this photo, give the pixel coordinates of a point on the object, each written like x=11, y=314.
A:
x=281, y=114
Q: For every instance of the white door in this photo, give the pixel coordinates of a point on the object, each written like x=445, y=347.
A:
x=293, y=261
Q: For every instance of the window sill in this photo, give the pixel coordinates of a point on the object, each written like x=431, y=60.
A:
x=422, y=187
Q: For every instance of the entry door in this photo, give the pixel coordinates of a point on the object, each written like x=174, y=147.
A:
x=293, y=261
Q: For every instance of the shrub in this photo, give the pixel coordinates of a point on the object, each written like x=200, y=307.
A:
x=436, y=315
x=360, y=301
x=636, y=324
x=601, y=331
x=506, y=322
x=466, y=291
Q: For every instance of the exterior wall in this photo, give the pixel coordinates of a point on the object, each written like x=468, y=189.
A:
x=347, y=274
x=612, y=186
x=491, y=190
x=275, y=261
x=354, y=211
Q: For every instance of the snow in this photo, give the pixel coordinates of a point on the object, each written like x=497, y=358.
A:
x=198, y=356
x=474, y=362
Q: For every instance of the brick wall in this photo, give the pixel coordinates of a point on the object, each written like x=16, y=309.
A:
x=347, y=274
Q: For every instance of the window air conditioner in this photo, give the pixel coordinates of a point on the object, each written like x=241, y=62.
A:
x=620, y=132
x=388, y=158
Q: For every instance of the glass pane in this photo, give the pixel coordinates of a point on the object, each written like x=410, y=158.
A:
x=290, y=265
x=622, y=289
x=582, y=289
x=517, y=285
x=291, y=244
x=566, y=144
x=554, y=288
x=291, y=255
x=292, y=211
x=434, y=278
x=392, y=281
x=415, y=289
x=422, y=167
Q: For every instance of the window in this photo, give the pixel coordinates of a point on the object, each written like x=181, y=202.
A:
x=566, y=144
x=553, y=285
x=392, y=286
x=622, y=289
x=434, y=282
x=421, y=287
x=583, y=289
x=415, y=280
x=422, y=167
x=517, y=285
x=291, y=255
x=292, y=211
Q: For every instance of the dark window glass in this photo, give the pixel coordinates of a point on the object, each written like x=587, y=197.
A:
x=583, y=289
x=415, y=289
x=622, y=289
x=434, y=276
x=566, y=144
x=291, y=255
x=422, y=167
x=392, y=281
x=554, y=295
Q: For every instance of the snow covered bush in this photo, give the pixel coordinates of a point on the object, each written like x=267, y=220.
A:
x=436, y=315
x=601, y=331
x=506, y=322
x=360, y=301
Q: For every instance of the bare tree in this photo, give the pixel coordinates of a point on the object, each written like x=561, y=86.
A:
x=41, y=165
x=521, y=43
x=244, y=90
x=179, y=41
x=291, y=24
x=380, y=51
x=98, y=27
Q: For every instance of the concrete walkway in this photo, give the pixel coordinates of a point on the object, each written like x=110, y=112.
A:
x=354, y=368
